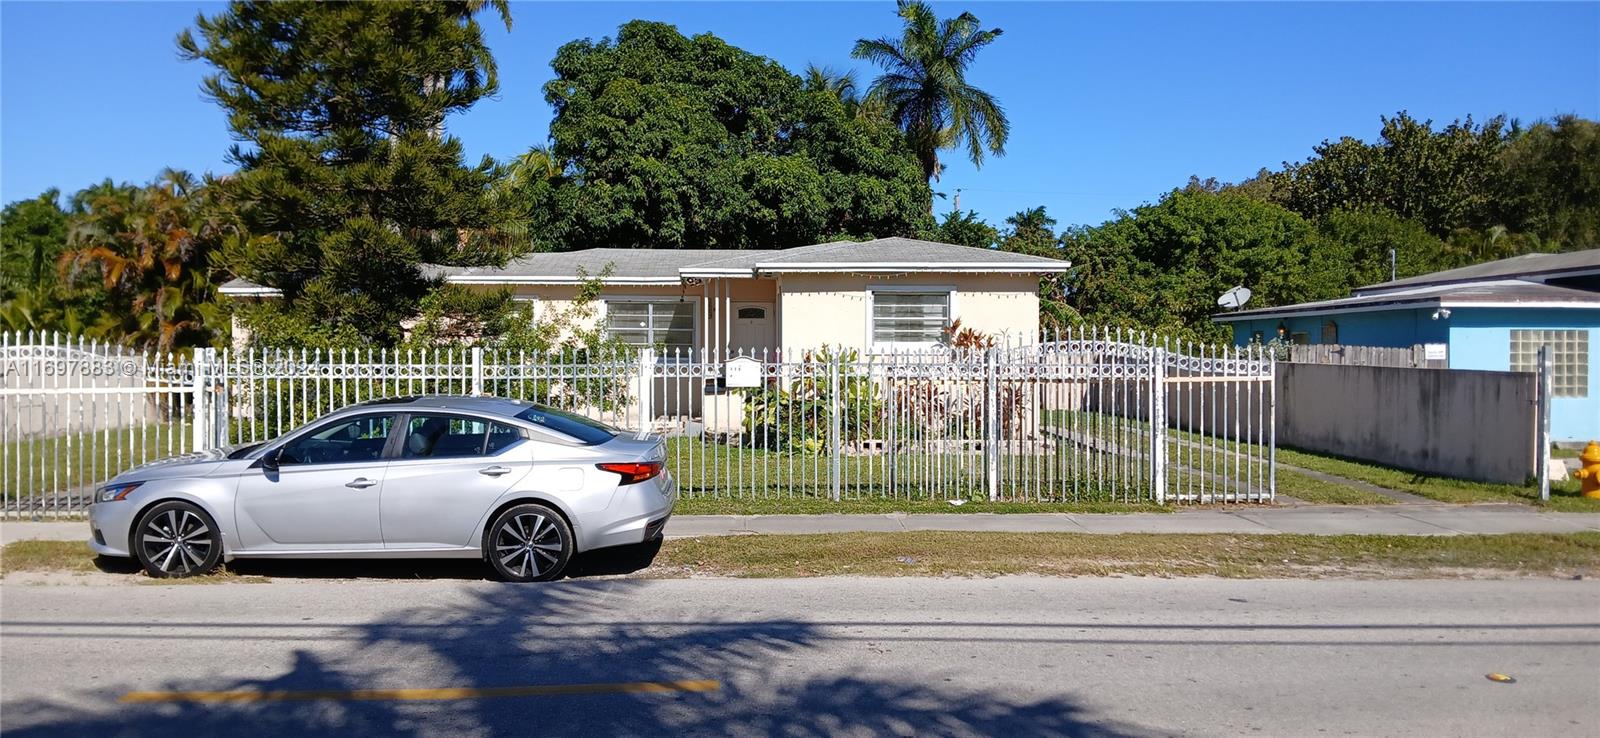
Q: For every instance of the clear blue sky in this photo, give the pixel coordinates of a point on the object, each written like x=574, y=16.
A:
x=1110, y=104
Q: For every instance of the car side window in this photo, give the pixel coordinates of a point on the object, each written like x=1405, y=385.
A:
x=360, y=438
x=438, y=436
x=500, y=437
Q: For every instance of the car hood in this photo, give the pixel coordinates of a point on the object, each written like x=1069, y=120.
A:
x=196, y=464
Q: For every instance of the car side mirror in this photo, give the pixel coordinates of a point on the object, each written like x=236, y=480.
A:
x=270, y=461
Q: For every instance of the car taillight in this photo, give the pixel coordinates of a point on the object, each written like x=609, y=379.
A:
x=633, y=472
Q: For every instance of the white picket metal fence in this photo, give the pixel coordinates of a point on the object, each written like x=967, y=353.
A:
x=1084, y=415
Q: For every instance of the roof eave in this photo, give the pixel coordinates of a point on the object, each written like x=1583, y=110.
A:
x=897, y=267
x=254, y=291
x=554, y=279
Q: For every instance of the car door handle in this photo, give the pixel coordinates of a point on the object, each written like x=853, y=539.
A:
x=360, y=483
x=494, y=471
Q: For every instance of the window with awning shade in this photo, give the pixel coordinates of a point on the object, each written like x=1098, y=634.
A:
x=909, y=318
x=668, y=325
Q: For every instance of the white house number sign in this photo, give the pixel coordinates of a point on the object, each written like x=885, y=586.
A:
x=741, y=371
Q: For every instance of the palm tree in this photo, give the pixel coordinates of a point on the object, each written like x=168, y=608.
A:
x=924, y=87
x=824, y=79
x=1032, y=232
x=1032, y=220
x=150, y=247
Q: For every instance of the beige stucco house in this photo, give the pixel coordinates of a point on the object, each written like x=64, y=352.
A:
x=883, y=295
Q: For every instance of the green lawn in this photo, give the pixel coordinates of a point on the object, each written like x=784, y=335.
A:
x=77, y=462
x=1564, y=495
x=720, y=471
x=817, y=505
x=1563, y=492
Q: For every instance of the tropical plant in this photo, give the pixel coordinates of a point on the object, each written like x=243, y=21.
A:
x=797, y=416
x=924, y=87
x=150, y=249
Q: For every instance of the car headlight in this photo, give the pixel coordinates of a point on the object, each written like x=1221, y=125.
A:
x=112, y=492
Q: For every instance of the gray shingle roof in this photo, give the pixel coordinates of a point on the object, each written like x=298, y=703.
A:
x=668, y=266
x=627, y=264
x=1536, y=266
x=909, y=252
x=1510, y=292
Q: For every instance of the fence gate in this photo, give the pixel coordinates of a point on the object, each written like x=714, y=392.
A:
x=1085, y=415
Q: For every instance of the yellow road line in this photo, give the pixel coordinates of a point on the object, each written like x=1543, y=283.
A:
x=445, y=693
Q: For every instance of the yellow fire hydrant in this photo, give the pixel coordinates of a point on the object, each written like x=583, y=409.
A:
x=1590, y=472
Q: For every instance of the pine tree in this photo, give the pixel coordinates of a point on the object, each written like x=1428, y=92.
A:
x=346, y=178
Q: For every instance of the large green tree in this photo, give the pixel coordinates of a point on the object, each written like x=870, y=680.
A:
x=346, y=181
x=1442, y=179
x=1549, y=183
x=1162, y=266
x=665, y=141
x=924, y=87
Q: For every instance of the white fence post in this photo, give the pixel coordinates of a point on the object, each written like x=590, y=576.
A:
x=1272, y=426
x=1542, y=460
x=834, y=449
x=645, y=378
x=477, y=371
x=199, y=408
x=991, y=422
x=1158, y=425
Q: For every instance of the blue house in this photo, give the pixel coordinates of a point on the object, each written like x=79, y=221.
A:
x=1491, y=316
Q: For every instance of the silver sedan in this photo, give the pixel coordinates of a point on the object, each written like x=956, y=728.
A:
x=522, y=486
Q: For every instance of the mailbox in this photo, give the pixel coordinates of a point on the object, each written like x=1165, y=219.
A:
x=741, y=371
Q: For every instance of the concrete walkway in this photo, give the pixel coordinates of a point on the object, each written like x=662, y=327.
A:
x=1411, y=520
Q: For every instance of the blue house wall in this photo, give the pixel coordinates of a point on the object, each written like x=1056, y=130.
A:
x=1402, y=328
x=1478, y=338
x=1481, y=339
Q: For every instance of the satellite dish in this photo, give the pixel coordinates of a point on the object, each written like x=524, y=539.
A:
x=1235, y=298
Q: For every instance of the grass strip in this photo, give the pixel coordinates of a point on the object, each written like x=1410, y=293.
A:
x=1564, y=493
x=936, y=553
x=75, y=557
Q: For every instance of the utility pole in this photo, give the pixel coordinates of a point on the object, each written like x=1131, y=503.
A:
x=1391, y=265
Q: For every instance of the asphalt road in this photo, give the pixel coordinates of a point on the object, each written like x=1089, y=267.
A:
x=1010, y=656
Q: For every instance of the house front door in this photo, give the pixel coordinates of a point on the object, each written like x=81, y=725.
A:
x=754, y=329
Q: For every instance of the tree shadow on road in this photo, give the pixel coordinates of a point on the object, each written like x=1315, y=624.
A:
x=567, y=633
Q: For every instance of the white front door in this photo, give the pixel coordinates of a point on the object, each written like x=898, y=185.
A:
x=754, y=329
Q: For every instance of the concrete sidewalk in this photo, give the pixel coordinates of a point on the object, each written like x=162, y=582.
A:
x=1410, y=520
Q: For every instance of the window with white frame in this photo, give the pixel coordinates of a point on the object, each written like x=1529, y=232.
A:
x=909, y=318
x=662, y=324
x=1569, y=358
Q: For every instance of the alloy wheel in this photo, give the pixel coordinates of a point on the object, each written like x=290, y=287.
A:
x=177, y=540
x=530, y=543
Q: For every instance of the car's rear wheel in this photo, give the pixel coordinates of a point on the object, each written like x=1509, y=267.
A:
x=177, y=539
x=528, y=543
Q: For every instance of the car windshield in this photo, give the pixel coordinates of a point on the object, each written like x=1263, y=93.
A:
x=586, y=430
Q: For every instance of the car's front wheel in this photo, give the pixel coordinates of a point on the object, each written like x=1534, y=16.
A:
x=528, y=543
x=177, y=539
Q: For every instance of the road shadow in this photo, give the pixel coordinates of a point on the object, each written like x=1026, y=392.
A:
x=558, y=634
